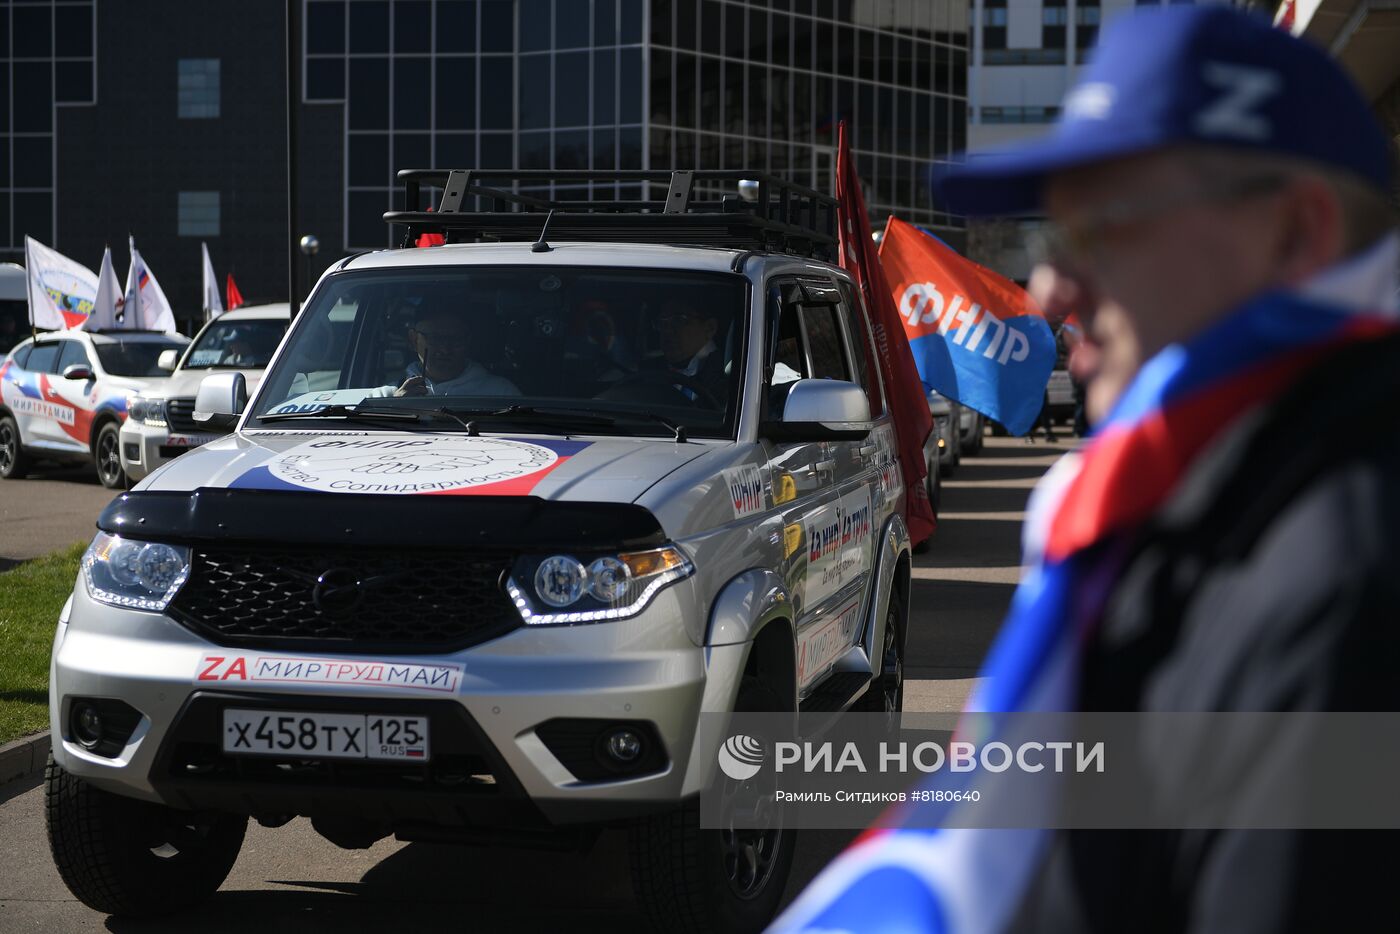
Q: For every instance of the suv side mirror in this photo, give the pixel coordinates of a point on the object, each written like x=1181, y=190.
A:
x=822, y=410
x=220, y=400
x=167, y=360
x=77, y=371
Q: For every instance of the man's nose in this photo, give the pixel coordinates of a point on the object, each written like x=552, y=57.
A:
x=1058, y=291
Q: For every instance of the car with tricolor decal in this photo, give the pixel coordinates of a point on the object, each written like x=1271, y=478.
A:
x=63, y=397
x=502, y=522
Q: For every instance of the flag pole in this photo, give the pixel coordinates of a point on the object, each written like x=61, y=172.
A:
x=293, y=100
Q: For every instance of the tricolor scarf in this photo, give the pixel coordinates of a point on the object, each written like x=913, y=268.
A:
x=912, y=876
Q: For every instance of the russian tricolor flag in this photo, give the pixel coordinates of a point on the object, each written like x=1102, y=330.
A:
x=977, y=337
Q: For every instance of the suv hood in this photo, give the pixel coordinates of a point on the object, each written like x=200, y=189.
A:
x=615, y=470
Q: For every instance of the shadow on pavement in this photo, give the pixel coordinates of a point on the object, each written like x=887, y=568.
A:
x=982, y=498
x=72, y=473
x=963, y=619
x=438, y=887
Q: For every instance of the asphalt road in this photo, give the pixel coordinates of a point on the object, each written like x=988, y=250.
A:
x=290, y=879
x=50, y=509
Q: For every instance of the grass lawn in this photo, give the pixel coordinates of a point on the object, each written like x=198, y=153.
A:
x=31, y=596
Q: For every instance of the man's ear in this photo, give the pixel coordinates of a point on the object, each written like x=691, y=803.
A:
x=1312, y=236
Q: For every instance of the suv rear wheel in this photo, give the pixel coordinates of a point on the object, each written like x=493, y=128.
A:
x=692, y=879
x=134, y=858
x=13, y=462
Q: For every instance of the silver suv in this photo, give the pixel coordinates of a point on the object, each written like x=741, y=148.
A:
x=499, y=524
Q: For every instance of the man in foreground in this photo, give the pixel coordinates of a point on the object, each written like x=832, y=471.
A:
x=1218, y=193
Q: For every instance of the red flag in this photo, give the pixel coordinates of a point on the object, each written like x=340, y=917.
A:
x=235, y=297
x=903, y=390
x=430, y=239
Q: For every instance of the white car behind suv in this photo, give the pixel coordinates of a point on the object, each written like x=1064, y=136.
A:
x=160, y=425
x=63, y=396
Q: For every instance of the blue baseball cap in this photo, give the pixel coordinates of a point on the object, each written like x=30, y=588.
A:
x=1209, y=75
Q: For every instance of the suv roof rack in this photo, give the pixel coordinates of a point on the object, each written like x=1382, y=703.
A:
x=488, y=204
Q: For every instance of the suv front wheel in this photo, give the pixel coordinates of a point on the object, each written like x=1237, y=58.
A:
x=133, y=858
x=692, y=879
x=106, y=453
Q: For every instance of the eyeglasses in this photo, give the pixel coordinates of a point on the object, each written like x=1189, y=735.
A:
x=1076, y=242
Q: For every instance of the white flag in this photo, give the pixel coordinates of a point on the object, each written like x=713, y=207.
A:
x=146, y=305
x=108, y=306
x=213, y=305
x=61, y=292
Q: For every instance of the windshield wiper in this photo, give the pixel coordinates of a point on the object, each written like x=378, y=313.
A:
x=348, y=412
x=579, y=417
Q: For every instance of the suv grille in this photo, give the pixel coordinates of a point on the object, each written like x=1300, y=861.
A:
x=345, y=599
x=179, y=415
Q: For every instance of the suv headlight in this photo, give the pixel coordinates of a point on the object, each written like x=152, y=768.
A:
x=561, y=589
x=146, y=411
x=141, y=575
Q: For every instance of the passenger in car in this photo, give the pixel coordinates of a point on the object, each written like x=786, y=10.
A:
x=688, y=348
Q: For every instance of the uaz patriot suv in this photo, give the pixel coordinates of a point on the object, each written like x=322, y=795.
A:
x=501, y=521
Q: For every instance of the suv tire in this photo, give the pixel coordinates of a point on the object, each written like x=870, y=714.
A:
x=133, y=858
x=14, y=464
x=886, y=692
x=107, y=456
x=688, y=879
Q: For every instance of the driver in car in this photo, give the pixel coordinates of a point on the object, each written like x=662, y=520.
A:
x=439, y=340
x=689, y=352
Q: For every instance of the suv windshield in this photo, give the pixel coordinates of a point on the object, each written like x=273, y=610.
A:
x=248, y=344
x=134, y=358
x=625, y=345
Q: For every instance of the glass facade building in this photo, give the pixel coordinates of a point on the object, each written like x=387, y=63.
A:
x=47, y=57
x=641, y=84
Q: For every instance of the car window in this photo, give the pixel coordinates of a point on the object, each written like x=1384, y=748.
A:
x=627, y=344
x=862, y=348
x=135, y=358
x=72, y=353
x=824, y=348
x=43, y=358
x=21, y=355
x=247, y=343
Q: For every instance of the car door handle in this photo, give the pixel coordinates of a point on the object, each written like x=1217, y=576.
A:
x=823, y=466
x=866, y=450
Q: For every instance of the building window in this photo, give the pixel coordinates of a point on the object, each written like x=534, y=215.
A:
x=198, y=214
x=994, y=24
x=1086, y=26
x=1020, y=114
x=198, y=84
x=1054, y=17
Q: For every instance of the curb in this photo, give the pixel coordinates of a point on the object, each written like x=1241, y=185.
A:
x=23, y=759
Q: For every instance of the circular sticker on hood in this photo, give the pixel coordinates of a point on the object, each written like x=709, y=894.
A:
x=409, y=465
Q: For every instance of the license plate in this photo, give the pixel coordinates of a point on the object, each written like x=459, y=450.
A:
x=189, y=441
x=306, y=735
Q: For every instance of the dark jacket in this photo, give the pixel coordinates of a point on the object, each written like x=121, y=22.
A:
x=1269, y=582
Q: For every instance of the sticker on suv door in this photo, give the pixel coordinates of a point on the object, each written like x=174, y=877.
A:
x=838, y=544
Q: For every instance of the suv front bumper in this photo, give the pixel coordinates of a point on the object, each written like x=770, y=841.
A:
x=643, y=671
x=145, y=447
